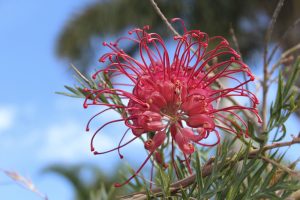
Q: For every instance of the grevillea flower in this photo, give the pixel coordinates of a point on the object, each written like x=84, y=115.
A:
x=173, y=103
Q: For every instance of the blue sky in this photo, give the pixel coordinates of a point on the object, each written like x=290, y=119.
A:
x=38, y=127
x=32, y=116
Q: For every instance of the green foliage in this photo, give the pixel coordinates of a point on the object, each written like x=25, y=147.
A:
x=285, y=103
x=99, y=187
x=78, y=91
x=241, y=176
x=103, y=193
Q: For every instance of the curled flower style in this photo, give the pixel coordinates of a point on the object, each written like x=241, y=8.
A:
x=173, y=103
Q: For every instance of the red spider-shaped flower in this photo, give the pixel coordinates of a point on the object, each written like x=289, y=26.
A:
x=173, y=100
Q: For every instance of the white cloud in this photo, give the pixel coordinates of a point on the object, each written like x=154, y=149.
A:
x=68, y=141
x=7, y=117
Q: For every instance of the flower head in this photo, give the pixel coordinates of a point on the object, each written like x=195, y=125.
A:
x=176, y=101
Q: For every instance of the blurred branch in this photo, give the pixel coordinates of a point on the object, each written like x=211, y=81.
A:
x=24, y=182
x=237, y=46
x=280, y=62
x=165, y=20
x=296, y=22
x=291, y=50
x=270, y=30
x=281, y=166
x=266, y=63
x=285, y=57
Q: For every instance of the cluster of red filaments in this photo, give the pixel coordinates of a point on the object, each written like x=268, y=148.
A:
x=175, y=101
